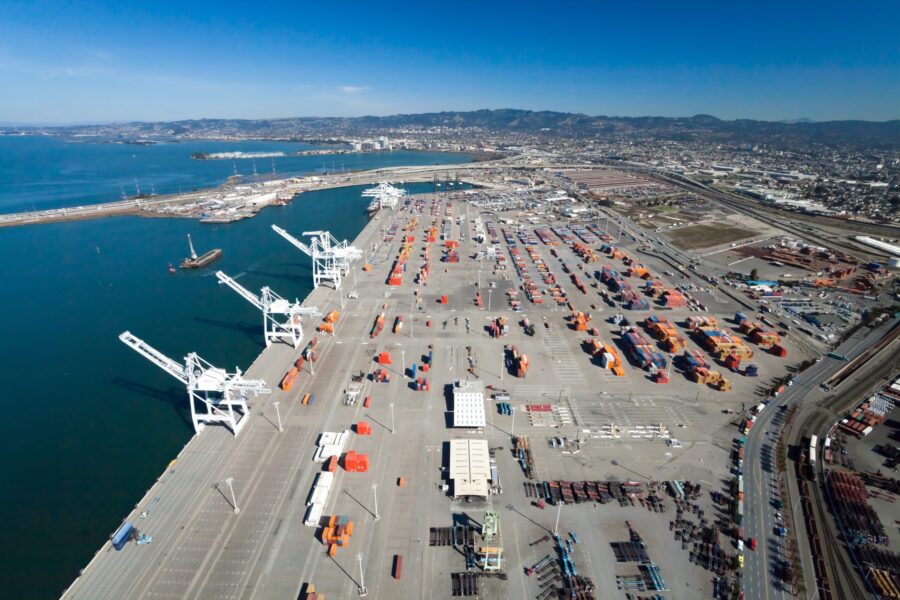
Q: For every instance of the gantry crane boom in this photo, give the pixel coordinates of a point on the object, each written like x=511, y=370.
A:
x=303, y=247
x=331, y=258
x=271, y=304
x=162, y=361
x=244, y=292
x=221, y=396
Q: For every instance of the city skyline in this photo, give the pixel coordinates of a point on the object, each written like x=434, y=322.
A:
x=115, y=63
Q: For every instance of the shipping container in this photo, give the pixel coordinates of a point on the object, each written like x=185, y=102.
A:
x=122, y=535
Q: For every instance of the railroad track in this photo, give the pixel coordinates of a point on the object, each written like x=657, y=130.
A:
x=781, y=221
x=857, y=363
x=837, y=575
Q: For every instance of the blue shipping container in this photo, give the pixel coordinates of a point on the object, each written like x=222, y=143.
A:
x=122, y=535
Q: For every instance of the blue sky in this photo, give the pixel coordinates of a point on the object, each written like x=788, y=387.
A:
x=154, y=60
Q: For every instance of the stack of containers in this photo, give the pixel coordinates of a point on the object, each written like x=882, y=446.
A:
x=665, y=331
x=520, y=362
x=722, y=343
x=381, y=376
x=695, y=323
x=778, y=350
x=733, y=362
x=654, y=288
x=499, y=327
x=694, y=360
x=638, y=271
x=356, y=463
x=633, y=301
x=674, y=299
x=765, y=339
x=578, y=283
x=642, y=351
x=580, y=320
x=337, y=533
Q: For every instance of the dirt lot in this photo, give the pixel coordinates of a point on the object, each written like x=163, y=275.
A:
x=707, y=236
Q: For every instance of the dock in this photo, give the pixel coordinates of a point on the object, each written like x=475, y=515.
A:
x=467, y=316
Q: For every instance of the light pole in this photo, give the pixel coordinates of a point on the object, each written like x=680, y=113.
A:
x=278, y=414
x=362, y=584
x=512, y=429
x=411, y=327
x=490, y=293
x=375, y=496
x=230, y=482
x=392, y=417
x=403, y=362
x=558, y=511
x=502, y=362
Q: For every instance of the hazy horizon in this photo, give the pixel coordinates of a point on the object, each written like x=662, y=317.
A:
x=277, y=118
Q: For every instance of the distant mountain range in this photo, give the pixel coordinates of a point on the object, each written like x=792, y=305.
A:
x=797, y=133
x=802, y=131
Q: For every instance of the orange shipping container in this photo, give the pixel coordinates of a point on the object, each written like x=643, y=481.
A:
x=289, y=379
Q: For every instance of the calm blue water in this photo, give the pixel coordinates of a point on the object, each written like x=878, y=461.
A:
x=45, y=172
x=89, y=424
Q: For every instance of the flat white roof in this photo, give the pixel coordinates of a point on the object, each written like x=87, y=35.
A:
x=470, y=467
x=468, y=404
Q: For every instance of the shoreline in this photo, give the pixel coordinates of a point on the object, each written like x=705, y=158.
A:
x=292, y=186
x=220, y=437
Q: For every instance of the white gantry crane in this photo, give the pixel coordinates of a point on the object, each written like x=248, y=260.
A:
x=331, y=258
x=272, y=306
x=384, y=195
x=214, y=395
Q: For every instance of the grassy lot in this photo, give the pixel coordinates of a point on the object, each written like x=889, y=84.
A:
x=707, y=236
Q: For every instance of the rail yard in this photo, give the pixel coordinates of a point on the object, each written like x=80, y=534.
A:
x=493, y=394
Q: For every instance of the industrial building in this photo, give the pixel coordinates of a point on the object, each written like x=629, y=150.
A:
x=468, y=404
x=469, y=468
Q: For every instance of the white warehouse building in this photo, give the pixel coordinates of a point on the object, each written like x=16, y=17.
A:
x=468, y=404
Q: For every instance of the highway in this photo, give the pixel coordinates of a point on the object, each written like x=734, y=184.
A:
x=760, y=474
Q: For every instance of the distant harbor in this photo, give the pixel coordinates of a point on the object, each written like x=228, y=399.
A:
x=99, y=180
x=255, y=155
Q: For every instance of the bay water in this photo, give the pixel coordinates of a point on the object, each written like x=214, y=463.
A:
x=88, y=423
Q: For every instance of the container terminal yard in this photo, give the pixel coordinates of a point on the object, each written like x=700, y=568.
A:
x=487, y=394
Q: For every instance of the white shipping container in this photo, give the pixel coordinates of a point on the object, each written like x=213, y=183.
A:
x=324, y=478
x=318, y=496
x=314, y=515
